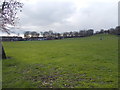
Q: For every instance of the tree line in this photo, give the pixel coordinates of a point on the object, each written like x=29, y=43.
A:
x=82, y=33
x=54, y=35
x=115, y=31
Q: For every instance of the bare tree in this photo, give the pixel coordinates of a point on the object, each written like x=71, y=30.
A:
x=8, y=11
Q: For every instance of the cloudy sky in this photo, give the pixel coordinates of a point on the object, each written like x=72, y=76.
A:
x=67, y=15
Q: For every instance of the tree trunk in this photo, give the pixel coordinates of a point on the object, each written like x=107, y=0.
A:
x=2, y=52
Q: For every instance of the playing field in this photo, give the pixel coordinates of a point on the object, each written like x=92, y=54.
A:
x=71, y=63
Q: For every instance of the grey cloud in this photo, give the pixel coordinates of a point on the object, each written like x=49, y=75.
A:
x=46, y=13
x=43, y=16
x=99, y=15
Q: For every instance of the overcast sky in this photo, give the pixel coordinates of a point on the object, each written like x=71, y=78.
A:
x=67, y=15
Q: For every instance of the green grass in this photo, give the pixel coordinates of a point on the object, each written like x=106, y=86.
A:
x=69, y=63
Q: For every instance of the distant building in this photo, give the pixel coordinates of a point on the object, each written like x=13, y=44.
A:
x=11, y=38
x=34, y=38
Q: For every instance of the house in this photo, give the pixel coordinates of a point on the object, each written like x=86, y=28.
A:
x=11, y=38
x=34, y=39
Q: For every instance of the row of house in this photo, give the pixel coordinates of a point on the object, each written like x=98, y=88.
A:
x=17, y=38
x=11, y=38
x=48, y=35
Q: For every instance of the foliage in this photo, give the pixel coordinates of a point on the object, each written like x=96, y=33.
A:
x=28, y=34
x=8, y=11
x=82, y=33
x=115, y=31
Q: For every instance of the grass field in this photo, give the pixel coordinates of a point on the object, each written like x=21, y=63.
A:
x=71, y=63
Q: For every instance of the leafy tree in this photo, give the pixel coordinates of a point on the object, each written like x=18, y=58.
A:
x=71, y=34
x=57, y=35
x=76, y=34
x=45, y=34
x=27, y=34
x=82, y=33
x=90, y=32
x=65, y=34
x=34, y=34
x=48, y=34
x=117, y=30
x=8, y=11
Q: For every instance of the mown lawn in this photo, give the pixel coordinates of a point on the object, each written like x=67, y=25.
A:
x=71, y=63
